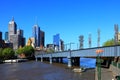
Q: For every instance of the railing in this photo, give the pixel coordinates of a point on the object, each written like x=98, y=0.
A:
x=116, y=64
x=119, y=65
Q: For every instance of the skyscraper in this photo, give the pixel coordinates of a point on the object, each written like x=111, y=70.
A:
x=16, y=40
x=20, y=32
x=56, y=42
x=36, y=35
x=15, y=36
x=42, y=38
x=0, y=36
x=6, y=36
x=12, y=28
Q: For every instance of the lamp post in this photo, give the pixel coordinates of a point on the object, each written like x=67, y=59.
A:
x=99, y=63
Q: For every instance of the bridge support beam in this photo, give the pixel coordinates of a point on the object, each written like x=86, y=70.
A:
x=36, y=59
x=50, y=60
x=69, y=62
x=41, y=59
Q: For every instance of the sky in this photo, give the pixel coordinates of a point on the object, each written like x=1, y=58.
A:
x=69, y=18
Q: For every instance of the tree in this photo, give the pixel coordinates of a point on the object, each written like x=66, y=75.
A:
x=8, y=53
x=1, y=55
x=50, y=50
x=28, y=51
x=110, y=43
x=20, y=51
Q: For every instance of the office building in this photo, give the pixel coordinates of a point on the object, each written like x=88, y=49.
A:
x=31, y=42
x=20, y=32
x=1, y=41
x=16, y=40
x=0, y=36
x=36, y=35
x=12, y=28
x=61, y=48
x=119, y=37
x=56, y=40
x=42, y=38
x=50, y=46
x=6, y=36
x=15, y=36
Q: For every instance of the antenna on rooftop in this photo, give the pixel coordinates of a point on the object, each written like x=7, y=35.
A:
x=116, y=34
x=12, y=18
x=89, y=40
x=98, y=37
x=36, y=20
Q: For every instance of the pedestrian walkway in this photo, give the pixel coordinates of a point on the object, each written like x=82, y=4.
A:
x=106, y=74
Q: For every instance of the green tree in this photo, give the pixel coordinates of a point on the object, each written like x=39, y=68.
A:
x=1, y=54
x=28, y=51
x=20, y=51
x=8, y=53
x=50, y=50
x=110, y=43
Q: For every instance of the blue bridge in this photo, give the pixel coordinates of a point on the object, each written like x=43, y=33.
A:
x=74, y=55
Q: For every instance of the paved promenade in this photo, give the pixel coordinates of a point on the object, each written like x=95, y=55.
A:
x=106, y=74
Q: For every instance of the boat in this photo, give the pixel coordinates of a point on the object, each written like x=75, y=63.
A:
x=79, y=70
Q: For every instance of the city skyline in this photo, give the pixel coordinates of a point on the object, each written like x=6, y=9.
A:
x=68, y=18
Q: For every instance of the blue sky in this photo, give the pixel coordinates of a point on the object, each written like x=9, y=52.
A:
x=69, y=18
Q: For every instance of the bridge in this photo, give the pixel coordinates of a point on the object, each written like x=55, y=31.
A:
x=74, y=55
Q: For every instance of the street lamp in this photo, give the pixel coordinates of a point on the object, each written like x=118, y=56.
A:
x=99, y=63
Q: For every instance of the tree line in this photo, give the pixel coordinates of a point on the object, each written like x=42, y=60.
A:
x=9, y=53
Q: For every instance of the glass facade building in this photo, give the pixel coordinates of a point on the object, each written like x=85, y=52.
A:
x=56, y=40
x=6, y=36
x=36, y=35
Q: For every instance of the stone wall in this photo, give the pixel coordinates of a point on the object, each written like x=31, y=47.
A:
x=115, y=70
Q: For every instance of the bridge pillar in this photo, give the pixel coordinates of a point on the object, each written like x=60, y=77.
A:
x=61, y=60
x=69, y=62
x=36, y=59
x=41, y=59
x=50, y=60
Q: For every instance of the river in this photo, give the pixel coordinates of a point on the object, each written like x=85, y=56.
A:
x=42, y=71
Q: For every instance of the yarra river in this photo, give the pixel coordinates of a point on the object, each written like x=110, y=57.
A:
x=42, y=71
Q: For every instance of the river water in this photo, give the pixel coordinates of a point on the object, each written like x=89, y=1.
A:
x=42, y=71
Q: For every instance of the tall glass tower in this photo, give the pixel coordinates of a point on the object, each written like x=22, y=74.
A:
x=36, y=35
x=6, y=36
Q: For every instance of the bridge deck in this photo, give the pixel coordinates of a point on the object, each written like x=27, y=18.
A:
x=110, y=51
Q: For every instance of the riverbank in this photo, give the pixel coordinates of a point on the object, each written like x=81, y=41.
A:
x=42, y=71
x=15, y=60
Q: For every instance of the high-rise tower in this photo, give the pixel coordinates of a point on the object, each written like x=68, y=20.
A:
x=36, y=35
x=42, y=38
x=0, y=36
x=12, y=28
x=6, y=36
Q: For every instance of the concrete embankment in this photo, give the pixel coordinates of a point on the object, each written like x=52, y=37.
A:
x=14, y=60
